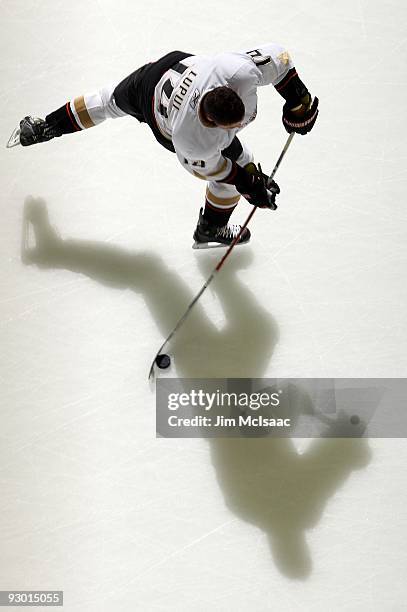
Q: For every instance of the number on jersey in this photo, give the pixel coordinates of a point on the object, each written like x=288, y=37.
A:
x=258, y=58
x=199, y=163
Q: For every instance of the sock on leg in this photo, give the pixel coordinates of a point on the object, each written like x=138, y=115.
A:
x=217, y=216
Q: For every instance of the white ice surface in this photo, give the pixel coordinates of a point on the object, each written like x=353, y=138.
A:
x=91, y=502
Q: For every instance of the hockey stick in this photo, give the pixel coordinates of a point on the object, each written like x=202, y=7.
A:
x=220, y=263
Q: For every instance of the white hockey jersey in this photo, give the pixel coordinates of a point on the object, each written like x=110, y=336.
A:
x=177, y=99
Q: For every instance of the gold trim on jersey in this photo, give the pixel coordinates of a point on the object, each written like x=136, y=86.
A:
x=210, y=177
x=200, y=176
x=284, y=58
x=213, y=199
x=82, y=112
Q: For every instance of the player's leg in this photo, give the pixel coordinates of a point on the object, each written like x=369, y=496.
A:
x=76, y=115
x=220, y=202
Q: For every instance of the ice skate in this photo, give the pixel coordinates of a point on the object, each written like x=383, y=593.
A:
x=14, y=139
x=208, y=236
x=32, y=130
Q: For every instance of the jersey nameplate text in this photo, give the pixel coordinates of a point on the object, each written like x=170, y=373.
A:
x=182, y=89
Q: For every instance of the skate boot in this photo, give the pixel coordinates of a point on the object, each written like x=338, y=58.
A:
x=208, y=236
x=31, y=131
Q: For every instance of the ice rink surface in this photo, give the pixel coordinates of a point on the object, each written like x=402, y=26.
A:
x=91, y=502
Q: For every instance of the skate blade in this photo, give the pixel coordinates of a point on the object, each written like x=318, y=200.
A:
x=215, y=245
x=14, y=139
x=208, y=245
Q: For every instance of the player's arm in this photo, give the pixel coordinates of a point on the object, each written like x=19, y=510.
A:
x=214, y=167
x=253, y=185
x=274, y=66
x=248, y=182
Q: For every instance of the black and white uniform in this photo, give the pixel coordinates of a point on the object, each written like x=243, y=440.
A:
x=167, y=94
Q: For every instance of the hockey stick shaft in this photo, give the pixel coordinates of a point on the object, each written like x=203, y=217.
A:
x=203, y=288
x=283, y=152
x=220, y=263
x=246, y=223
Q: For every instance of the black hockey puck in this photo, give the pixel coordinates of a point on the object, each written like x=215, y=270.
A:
x=354, y=419
x=163, y=361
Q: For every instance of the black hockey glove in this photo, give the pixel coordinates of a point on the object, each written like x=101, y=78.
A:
x=255, y=186
x=302, y=119
x=273, y=190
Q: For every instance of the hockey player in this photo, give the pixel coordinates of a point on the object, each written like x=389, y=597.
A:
x=195, y=105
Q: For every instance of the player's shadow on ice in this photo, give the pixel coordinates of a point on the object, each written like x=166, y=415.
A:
x=243, y=345
x=265, y=481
